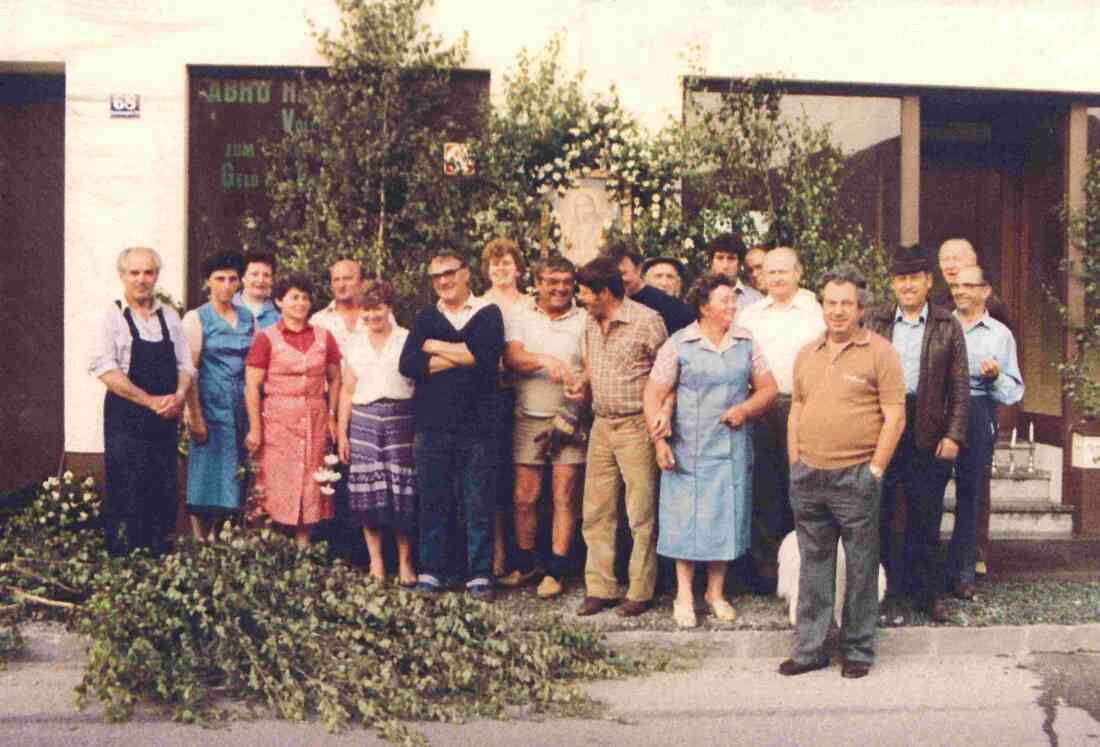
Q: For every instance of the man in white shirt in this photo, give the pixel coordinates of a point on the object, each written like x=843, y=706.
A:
x=543, y=347
x=781, y=323
x=341, y=317
x=142, y=357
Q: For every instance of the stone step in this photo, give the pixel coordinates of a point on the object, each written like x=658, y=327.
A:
x=1021, y=486
x=1019, y=519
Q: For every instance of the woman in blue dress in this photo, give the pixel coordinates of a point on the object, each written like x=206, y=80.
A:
x=720, y=381
x=219, y=335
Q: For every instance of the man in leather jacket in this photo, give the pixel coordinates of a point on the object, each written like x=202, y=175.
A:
x=932, y=348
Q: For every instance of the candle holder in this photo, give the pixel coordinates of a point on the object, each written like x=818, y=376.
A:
x=1011, y=462
x=1031, y=458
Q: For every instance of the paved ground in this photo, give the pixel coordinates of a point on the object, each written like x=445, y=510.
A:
x=932, y=685
x=1037, y=685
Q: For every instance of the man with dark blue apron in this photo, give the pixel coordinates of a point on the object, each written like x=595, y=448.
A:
x=142, y=357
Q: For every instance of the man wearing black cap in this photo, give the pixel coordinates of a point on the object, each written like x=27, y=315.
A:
x=674, y=313
x=932, y=348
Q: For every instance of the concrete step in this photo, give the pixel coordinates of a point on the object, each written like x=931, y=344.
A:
x=1021, y=486
x=1019, y=519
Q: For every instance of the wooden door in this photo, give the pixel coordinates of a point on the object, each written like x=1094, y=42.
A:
x=32, y=251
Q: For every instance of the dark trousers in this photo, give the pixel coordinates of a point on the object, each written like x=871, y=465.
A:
x=922, y=478
x=831, y=504
x=772, y=518
x=972, y=475
x=139, y=507
x=343, y=532
x=444, y=460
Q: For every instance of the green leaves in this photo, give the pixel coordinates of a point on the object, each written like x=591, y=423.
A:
x=256, y=618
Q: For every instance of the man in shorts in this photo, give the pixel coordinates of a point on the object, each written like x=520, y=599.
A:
x=543, y=348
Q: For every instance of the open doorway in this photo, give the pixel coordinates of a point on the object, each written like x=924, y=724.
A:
x=992, y=171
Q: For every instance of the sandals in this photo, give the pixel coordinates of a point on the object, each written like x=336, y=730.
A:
x=684, y=615
x=723, y=610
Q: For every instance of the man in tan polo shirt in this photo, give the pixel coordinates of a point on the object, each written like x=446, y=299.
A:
x=847, y=413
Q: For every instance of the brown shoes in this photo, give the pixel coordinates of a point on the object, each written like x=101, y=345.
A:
x=595, y=605
x=853, y=670
x=791, y=668
x=630, y=608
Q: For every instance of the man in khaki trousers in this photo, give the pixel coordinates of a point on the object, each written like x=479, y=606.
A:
x=620, y=343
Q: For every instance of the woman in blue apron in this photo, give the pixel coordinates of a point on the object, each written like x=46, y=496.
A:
x=219, y=335
x=721, y=381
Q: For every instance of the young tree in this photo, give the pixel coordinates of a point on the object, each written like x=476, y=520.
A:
x=743, y=155
x=363, y=179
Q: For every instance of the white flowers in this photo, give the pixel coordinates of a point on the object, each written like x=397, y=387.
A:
x=327, y=477
x=89, y=482
x=68, y=476
x=689, y=244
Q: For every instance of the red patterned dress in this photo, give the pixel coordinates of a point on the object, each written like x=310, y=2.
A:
x=295, y=420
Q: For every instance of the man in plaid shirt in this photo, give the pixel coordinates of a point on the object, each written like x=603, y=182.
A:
x=621, y=340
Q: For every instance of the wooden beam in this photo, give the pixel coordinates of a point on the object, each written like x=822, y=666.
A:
x=910, y=170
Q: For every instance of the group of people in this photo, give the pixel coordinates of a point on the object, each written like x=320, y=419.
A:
x=720, y=422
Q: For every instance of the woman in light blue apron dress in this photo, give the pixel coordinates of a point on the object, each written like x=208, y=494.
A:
x=219, y=334
x=720, y=381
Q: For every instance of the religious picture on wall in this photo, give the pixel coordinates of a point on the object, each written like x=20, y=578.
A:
x=581, y=213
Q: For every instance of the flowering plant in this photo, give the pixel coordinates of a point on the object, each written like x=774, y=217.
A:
x=327, y=476
x=64, y=502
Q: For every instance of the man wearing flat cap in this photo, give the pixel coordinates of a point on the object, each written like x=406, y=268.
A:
x=664, y=273
x=932, y=347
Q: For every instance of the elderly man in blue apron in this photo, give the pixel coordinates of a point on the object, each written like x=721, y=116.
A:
x=142, y=357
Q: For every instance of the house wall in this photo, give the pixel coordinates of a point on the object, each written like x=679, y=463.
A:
x=125, y=180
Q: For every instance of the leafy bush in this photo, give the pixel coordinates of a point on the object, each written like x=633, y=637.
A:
x=257, y=618
x=51, y=550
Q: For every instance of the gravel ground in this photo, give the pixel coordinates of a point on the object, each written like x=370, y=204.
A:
x=1008, y=602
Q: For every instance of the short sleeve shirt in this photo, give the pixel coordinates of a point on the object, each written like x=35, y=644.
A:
x=259, y=356
x=529, y=325
x=619, y=362
x=841, y=398
x=666, y=369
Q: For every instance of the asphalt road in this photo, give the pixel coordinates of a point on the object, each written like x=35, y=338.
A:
x=962, y=699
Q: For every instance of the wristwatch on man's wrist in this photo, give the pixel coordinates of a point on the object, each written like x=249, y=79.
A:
x=875, y=471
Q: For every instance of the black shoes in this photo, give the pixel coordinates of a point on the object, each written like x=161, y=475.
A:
x=790, y=667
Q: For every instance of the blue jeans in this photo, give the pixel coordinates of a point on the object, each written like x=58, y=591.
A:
x=972, y=474
x=444, y=462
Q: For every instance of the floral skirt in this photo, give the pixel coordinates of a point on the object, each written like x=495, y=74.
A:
x=382, y=478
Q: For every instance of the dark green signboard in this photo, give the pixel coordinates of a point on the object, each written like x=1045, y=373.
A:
x=232, y=109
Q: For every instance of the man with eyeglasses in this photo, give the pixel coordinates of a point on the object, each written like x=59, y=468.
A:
x=994, y=380
x=453, y=354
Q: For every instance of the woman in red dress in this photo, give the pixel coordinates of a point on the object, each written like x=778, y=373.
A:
x=290, y=416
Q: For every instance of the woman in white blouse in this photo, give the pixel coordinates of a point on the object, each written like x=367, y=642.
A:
x=375, y=433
